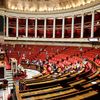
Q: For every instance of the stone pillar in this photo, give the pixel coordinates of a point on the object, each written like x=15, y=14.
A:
x=63, y=27
x=36, y=28
x=26, y=33
x=82, y=25
x=45, y=22
x=72, y=30
x=54, y=24
x=7, y=26
x=92, y=25
x=17, y=21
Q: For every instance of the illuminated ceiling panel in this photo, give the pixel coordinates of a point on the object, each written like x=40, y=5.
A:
x=44, y=5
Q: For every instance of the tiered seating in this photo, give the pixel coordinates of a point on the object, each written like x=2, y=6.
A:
x=20, y=51
x=93, y=55
x=65, y=84
x=62, y=88
x=54, y=54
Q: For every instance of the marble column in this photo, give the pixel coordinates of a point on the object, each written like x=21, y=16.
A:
x=63, y=27
x=36, y=28
x=7, y=26
x=92, y=25
x=45, y=21
x=26, y=33
x=72, y=30
x=17, y=22
x=54, y=28
x=82, y=25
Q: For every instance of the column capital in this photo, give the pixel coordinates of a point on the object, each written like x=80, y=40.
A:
x=93, y=11
x=63, y=17
x=82, y=14
x=73, y=16
x=54, y=17
x=45, y=18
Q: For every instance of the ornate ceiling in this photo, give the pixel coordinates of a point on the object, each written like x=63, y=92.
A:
x=45, y=5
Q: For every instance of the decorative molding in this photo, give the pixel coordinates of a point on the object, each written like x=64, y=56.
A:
x=84, y=40
x=69, y=12
x=59, y=14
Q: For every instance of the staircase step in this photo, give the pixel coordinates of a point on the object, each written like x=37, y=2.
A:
x=8, y=72
x=10, y=85
x=10, y=82
x=9, y=77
